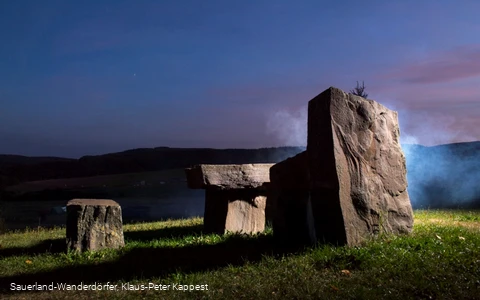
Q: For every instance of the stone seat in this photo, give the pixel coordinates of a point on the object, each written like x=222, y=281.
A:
x=94, y=224
x=348, y=186
x=235, y=196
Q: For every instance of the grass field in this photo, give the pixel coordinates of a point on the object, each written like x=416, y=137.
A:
x=439, y=260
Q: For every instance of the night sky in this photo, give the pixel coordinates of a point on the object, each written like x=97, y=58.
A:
x=91, y=77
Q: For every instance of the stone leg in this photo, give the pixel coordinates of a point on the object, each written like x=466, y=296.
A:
x=235, y=210
x=293, y=217
x=246, y=215
x=216, y=207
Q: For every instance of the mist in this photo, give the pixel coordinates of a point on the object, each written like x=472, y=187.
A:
x=444, y=176
x=439, y=176
x=288, y=128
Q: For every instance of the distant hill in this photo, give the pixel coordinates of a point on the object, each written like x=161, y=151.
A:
x=8, y=160
x=16, y=169
x=439, y=176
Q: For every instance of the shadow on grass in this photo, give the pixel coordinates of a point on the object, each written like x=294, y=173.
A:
x=169, y=232
x=54, y=246
x=162, y=218
x=159, y=262
x=51, y=246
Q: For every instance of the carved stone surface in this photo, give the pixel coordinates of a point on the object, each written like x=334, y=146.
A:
x=236, y=210
x=358, y=184
x=228, y=176
x=239, y=211
x=246, y=215
x=94, y=224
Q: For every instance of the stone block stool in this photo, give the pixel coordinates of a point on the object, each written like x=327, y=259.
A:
x=235, y=196
x=94, y=224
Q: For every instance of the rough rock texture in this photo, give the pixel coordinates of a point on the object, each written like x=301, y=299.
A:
x=357, y=169
x=94, y=224
x=289, y=200
x=228, y=176
x=235, y=196
x=246, y=215
x=239, y=211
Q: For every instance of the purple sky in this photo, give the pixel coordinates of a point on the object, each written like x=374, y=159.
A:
x=105, y=76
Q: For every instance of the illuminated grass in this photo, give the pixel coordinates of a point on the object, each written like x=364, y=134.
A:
x=439, y=260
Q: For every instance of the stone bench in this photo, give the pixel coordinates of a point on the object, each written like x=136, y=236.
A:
x=94, y=224
x=235, y=196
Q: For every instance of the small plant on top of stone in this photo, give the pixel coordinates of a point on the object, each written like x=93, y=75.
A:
x=359, y=90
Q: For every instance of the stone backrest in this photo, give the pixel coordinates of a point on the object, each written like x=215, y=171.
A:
x=358, y=185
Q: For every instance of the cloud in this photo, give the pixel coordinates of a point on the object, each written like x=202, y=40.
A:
x=438, y=99
x=459, y=63
x=441, y=97
x=434, y=128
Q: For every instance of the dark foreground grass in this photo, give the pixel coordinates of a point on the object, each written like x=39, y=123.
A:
x=440, y=260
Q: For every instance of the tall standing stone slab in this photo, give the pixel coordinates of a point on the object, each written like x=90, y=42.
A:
x=94, y=224
x=235, y=196
x=358, y=184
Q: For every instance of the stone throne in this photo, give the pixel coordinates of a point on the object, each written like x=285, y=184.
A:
x=349, y=185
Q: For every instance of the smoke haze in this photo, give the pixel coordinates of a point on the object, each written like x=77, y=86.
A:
x=289, y=127
x=438, y=176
